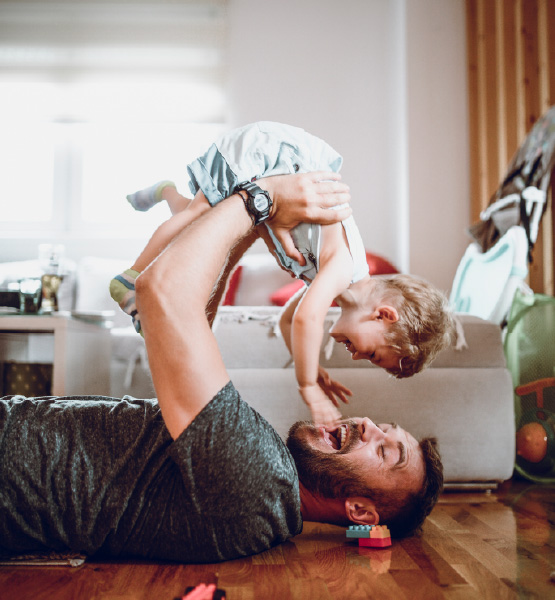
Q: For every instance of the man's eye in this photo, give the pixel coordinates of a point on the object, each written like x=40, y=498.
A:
x=382, y=448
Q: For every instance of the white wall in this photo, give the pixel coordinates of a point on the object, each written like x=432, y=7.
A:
x=438, y=147
x=384, y=82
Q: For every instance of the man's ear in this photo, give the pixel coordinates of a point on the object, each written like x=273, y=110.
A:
x=361, y=511
x=385, y=312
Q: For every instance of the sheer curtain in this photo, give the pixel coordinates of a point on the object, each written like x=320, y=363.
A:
x=99, y=99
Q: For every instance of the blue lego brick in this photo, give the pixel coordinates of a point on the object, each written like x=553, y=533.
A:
x=359, y=531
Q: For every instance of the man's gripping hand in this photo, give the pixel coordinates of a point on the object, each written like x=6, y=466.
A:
x=304, y=198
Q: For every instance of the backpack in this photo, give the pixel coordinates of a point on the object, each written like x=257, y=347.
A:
x=530, y=352
x=521, y=198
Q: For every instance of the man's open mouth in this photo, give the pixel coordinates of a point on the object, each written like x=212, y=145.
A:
x=336, y=438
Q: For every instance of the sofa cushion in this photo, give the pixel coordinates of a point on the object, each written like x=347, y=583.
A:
x=260, y=276
x=251, y=348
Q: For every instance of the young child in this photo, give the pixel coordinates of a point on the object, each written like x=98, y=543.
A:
x=399, y=323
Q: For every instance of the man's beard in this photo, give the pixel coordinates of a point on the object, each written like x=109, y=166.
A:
x=327, y=475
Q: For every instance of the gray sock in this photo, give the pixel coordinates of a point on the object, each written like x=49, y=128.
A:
x=145, y=199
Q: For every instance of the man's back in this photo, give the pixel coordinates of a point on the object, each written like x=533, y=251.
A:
x=102, y=476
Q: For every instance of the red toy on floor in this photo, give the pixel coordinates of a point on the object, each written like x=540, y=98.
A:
x=373, y=536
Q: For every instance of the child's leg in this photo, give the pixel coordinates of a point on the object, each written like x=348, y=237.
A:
x=122, y=290
x=145, y=199
x=122, y=287
x=176, y=201
x=169, y=229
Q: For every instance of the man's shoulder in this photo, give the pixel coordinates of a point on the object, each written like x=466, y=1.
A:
x=227, y=414
x=228, y=451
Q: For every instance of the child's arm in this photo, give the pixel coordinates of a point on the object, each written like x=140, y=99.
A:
x=286, y=317
x=331, y=387
x=334, y=276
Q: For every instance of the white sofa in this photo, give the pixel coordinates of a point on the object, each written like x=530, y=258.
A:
x=465, y=398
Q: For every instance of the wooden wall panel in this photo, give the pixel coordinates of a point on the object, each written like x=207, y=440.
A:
x=511, y=82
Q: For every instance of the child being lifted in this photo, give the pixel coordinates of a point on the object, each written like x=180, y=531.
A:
x=398, y=322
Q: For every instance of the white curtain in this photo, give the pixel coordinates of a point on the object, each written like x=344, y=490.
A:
x=102, y=60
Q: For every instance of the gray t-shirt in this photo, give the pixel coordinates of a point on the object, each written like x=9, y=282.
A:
x=103, y=476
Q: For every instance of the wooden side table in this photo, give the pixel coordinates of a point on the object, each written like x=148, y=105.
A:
x=78, y=351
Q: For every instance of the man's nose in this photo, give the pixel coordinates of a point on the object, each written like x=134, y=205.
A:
x=370, y=431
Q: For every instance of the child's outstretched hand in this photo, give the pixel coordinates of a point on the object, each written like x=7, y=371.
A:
x=322, y=409
x=332, y=388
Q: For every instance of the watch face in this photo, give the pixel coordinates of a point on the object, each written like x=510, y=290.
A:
x=260, y=202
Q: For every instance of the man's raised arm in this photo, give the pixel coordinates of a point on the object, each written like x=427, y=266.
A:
x=172, y=293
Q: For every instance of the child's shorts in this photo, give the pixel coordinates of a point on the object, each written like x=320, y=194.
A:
x=258, y=150
x=261, y=150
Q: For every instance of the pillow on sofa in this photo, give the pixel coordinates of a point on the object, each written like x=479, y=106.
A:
x=377, y=265
x=232, y=286
x=93, y=279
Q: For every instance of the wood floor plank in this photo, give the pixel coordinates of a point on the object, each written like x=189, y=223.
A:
x=430, y=562
x=444, y=520
x=485, y=584
x=447, y=547
x=472, y=547
x=461, y=592
x=416, y=586
x=499, y=566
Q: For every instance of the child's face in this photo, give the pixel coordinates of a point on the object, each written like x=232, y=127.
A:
x=364, y=338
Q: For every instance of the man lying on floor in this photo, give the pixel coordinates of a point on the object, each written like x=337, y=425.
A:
x=196, y=475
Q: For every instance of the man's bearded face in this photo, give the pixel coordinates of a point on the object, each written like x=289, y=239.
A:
x=356, y=458
x=325, y=474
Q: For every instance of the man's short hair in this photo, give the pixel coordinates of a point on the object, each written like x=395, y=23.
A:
x=405, y=515
x=402, y=510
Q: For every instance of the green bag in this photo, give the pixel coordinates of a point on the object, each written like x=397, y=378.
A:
x=530, y=353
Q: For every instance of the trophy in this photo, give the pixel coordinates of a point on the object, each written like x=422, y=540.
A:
x=50, y=259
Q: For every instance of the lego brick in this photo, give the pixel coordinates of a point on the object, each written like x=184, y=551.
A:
x=375, y=542
x=359, y=531
x=218, y=594
x=380, y=531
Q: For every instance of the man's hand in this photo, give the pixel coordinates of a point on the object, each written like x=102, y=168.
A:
x=304, y=198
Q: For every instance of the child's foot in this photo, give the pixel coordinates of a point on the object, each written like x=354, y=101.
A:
x=122, y=290
x=145, y=199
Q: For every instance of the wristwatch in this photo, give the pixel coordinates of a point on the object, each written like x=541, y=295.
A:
x=258, y=202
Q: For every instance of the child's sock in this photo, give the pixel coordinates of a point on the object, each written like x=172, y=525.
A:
x=145, y=199
x=122, y=290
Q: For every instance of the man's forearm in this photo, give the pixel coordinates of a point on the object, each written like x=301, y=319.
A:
x=172, y=293
x=189, y=267
x=186, y=366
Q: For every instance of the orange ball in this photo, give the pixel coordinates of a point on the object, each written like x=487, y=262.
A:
x=531, y=442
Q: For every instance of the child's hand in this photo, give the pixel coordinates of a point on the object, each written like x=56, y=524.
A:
x=332, y=388
x=322, y=410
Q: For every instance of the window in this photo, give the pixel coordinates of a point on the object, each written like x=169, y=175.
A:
x=98, y=100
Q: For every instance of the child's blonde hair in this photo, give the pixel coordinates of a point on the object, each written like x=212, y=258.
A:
x=425, y=326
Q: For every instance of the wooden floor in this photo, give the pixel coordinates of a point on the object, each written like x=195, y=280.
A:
x=474, y=545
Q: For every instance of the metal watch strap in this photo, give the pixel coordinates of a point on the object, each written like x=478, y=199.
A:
x=252, y=190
